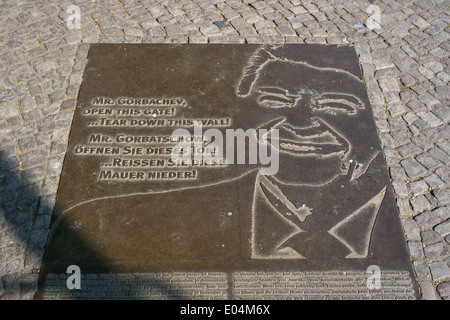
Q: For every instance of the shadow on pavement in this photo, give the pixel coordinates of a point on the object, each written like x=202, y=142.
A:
x=24, y=230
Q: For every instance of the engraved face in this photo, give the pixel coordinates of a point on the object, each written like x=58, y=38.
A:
x=318, y=113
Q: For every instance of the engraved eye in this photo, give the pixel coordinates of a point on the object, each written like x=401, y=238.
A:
x=273, y=101
x=276, y=98
x=335, y=106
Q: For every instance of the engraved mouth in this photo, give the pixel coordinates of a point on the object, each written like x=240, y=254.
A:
x=310, y=148
x=319, y=139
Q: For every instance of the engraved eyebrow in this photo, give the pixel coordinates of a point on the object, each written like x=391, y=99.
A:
x=274, y=98
x=272, y=90
x=339, y=101
x=341, y=97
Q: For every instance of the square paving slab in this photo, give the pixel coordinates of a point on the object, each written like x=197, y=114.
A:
x=225, y=172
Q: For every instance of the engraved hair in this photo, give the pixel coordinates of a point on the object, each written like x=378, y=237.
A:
x=267, y=54
x=261, y=57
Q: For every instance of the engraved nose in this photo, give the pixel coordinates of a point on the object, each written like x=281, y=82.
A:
x=299, y=115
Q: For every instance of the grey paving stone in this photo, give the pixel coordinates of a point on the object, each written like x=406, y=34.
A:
x=432, y=200
x=286, y=31
x=388, y=84
x=401, y=137
x=293, y=39
x=198, y=39
x=430, y=118
x=427, y=73
x=46, y=124
x=11, y=286
x=383, y=63
x=444, y=76
x=411, y=229
x=400, y=32
x=35, y=174
x=409, y=150
x=49, y=185
x=408, y=80
x=444, y=145
x=382, y=126
x=440, y=53
x=51, y=109
x=255, y=39
x=391, y=155
x=6, y=140
x=429, y=219
x=15, y=122
x=58, y=95
x=429, y=236
x=28, y=285
x=418, y=187
x=54, y=166
x=34, y=158
x=31, y=115
x=422, y=269
x=400, y=188
x=211, y=30
x=422, y=88
x=413, y=169
x=437, y=251
x=298, y=10
x=443, y=228
x=38, y=237
x=415, y=249
x=26, y=144
x=444, y=290
x=134, y=32
x=433, y=134
x=435, y=66
x=422, y=142
x=420, y=203
x=404, y=208
x=409, y=51
x=396, y=109
x=8, y=111
x=443, y=91
x=428, y=291
x=58, y=147
x=68, y=104
x=46, y=205
x=443, y=173
x=428, y=161
x=416, y=105
x=387, y=140
x=434, y=181
x=440, y=271
x=43, y=67
x=437, y=82
x=443, y=196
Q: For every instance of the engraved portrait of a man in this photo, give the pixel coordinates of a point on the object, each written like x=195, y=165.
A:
x=323, y=160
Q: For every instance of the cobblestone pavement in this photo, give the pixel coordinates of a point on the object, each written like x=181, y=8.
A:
x=405, y=64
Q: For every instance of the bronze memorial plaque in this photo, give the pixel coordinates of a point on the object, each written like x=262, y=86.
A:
x=225, y=172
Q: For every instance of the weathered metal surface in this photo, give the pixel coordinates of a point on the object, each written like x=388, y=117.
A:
x=321, y=202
